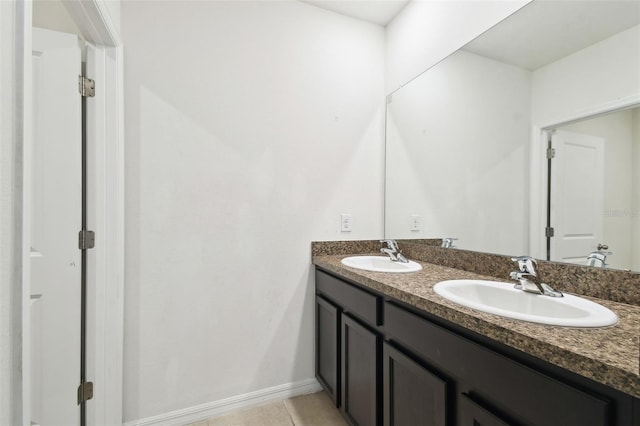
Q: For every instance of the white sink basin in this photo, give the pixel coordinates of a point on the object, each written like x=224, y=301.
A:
x=502, y=299
x=380, y=264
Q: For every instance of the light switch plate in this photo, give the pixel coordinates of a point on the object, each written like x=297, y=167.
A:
x=346, y=222
x=415, y=222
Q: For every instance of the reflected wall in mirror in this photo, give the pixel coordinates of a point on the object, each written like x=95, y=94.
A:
x=594, y=200
x=465, y=139
x=457, y=139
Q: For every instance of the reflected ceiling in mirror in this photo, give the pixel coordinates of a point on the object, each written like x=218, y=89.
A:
x=460, y=144
x=546, y=31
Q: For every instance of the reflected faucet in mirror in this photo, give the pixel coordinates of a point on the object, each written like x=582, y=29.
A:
x=598, y=258
x=448, y=242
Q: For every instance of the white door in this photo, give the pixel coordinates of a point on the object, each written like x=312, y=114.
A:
x=56, y=197
x=577, y=196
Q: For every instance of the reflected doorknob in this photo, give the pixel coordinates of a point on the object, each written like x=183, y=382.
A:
x=603, y=247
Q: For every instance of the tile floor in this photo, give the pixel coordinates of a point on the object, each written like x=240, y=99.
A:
x=315, y=409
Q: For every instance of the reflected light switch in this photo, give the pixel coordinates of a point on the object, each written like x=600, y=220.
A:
x=414, y=223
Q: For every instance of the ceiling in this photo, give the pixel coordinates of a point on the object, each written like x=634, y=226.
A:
x=379, y=12
x=536, y=35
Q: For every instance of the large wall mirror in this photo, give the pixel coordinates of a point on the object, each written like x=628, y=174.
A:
x=467, y=140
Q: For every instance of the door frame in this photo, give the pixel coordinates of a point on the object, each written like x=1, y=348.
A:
x=538, y=167
x=105, y=280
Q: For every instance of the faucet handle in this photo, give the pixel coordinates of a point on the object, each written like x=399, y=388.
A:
x=391, y=244
x=526, y=264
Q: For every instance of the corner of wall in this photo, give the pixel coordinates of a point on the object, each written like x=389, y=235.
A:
x=424, y=33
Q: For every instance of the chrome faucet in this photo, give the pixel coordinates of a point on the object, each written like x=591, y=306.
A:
x=528, y=279
x=392, y=251
x=598, y=258
x=448, y=242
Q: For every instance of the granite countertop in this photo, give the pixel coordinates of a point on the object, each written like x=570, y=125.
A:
x=610, y=355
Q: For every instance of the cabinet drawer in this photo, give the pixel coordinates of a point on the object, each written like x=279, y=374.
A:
x=358, y=302
x=527, y=396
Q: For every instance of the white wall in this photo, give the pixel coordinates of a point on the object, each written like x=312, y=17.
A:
x=52, y=15
x=449, y=151
x=425, y=32
x=250, y=127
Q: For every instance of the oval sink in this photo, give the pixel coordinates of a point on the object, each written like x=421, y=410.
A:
x=380, y=264
x=502, y=299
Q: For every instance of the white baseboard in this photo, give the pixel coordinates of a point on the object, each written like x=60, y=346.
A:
x=217, y=408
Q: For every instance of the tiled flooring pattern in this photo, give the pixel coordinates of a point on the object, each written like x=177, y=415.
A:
x=307, y=410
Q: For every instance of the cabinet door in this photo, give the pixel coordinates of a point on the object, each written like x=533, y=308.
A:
x=472, y=414
x=412, y=395
x=327, y=348
x=520, y=392
x=360, y=373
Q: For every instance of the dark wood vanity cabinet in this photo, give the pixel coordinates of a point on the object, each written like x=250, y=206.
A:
x=472, y=414
x=348, y=348
x=327, y=344
x=360, y=373
x=383, y=362
x=413, y=395
x=493, y=388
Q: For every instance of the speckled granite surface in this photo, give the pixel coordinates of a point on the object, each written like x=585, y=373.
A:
x=362, y=246
x=602, y=283
x=607, y=355
x=344, y=247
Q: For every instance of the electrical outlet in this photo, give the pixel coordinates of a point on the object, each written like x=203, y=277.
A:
x=415, y=222
x=346, y=222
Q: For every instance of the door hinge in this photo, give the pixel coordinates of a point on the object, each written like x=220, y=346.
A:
x=86, y=86
x=548, y=232
x=85, y=392
x=551, y=153
x=86, y=239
